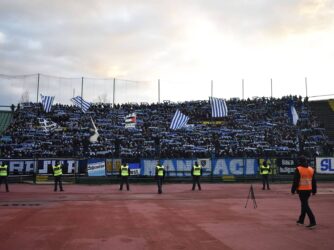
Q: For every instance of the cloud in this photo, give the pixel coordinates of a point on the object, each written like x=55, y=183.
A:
x=177, y=41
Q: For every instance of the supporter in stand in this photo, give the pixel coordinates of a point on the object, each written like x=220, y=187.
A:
x=254, y=128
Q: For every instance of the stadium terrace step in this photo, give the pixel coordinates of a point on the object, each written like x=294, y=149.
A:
x=325, y=113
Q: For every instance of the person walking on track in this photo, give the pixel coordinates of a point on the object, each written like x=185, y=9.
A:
x=305, y=184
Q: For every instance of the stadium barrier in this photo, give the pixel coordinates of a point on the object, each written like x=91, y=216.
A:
x=174, y=167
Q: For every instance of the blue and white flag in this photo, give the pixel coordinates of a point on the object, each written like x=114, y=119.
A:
x=179, y=120
x=293, y=114
x=47, y=102
x=47, y=125
x=218, y=107
x=81, y=103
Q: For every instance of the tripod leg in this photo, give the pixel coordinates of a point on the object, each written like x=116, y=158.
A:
x=253, y=197
x=249, y=194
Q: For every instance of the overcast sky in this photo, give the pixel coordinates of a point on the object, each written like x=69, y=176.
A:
x=184, y=43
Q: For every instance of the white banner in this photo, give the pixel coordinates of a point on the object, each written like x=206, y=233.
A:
x=96, y=167
x=325, y=165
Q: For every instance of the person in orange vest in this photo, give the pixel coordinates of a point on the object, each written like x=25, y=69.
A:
x=4, y=171
x=304, y=184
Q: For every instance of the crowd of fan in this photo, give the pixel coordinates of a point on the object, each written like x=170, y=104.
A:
x=253, y=128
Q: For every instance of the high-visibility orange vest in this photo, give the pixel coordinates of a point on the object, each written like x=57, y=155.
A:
x=306, y=175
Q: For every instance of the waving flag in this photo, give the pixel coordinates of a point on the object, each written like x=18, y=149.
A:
x=95, y=136
x=179, y=120
x=293, y=114
x=47, y=102
x=81, y=103
x=131, y=120
x=47, y=125
x=218, y=107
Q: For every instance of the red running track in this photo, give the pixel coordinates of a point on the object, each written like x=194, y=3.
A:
x=102, y=217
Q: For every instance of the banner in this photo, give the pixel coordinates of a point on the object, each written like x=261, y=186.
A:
x=205, y=164
x=286, y=166
x=43, y=166
x=182, y=167
x=131, y=120
x=272, y=163
x=21, y=166
x=236, y=166
x=134, y=168
x=70, y=166
x=96, y=167
x=113, y=166
x=325, y=165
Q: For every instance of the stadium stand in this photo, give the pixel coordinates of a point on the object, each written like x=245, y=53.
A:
x=325, y=113
x=5, y=119
x=254, y=128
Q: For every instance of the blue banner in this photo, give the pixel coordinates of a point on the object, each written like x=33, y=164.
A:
x=182, y=167
x=235, y=166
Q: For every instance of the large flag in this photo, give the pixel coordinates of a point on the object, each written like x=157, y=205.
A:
x=293, y=114
x=47, y=102
x=179, y=120
x=218, y=107
x=81, y=103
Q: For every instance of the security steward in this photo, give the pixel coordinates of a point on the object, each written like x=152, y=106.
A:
x=265, y=170
x=4, y=171
x=58, y=173
x=196, y=173
x=124, y=173
x=159, y=176
x=304, y=183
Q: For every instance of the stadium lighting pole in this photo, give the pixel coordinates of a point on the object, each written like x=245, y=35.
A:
x=113, y=93
x=271, y=87
x=306, y=86
x=82, y=82
x=243, y=89
x=38, y=75
x=211, y=88
x=158, y=90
